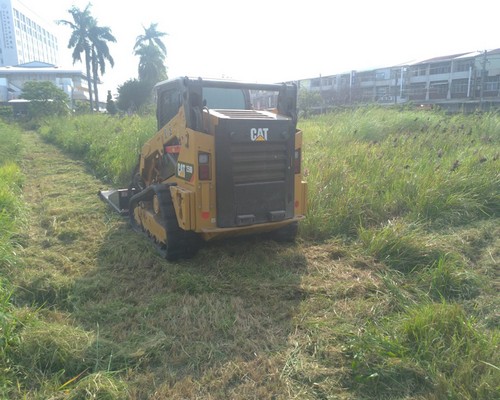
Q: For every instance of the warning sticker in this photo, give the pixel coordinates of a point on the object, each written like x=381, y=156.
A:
x=185, y=171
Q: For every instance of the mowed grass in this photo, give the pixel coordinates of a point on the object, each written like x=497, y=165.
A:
x=391, y=290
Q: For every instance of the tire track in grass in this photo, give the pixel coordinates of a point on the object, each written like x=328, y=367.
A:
x=161, y=321
x=67, y=223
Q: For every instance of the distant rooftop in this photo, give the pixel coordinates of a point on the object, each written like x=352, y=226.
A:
x=39, y=67
x=423, y=61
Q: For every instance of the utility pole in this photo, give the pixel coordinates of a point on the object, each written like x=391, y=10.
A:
x=484, y=61
x=321, y=92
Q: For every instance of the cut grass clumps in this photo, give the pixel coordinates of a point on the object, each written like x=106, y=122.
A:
x=99, y=385
x=47, y=348
x=435, y=350
x=44, y=354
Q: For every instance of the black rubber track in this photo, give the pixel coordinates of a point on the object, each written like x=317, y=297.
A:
x=180, y=243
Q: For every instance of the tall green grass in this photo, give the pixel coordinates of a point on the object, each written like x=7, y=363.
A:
x=365, y=166
x=395, y=181
x=11, y=213
x=434, y=348
x=10, y=190
x=110, y=145
x=369, y=166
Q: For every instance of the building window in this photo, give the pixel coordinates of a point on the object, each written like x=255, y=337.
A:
x=316, y=82
x=328, y=81
x=491, y=84
x=382, y=91
x=418, y=70
x=440, y=68
x=367, y=94
x=459, y=86
x=438, y=90
x=417, y=91
x=461, y=66
x=366, y=76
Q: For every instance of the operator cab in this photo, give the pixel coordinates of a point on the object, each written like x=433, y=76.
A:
x=198, y=94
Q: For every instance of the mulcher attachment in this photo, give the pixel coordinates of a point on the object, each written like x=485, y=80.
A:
x=118, y=199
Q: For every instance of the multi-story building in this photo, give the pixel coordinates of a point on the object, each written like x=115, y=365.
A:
x=29, y=52
x=24, y=37
x=12, y=80
x=465, y=81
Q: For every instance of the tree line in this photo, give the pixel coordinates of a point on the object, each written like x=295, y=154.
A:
x=89, y=42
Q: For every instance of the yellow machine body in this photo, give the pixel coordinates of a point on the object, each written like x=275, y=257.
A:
x=220, y=165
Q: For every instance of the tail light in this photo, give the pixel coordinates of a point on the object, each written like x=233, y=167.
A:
x=175, y=149
x=204, y=172
x=297, y=161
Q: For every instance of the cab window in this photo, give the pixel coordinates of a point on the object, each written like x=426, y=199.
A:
x=168, y=106
x=224, y=98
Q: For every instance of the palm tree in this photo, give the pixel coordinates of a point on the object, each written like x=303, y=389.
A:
x=151, y=51
x=151, y=64
x=91, y=40
x=152, y=37
x=79, y=40
x=99, y=36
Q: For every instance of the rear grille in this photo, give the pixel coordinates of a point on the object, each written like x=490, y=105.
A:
x=247, y=114
x=259, y=162
x=254, y=178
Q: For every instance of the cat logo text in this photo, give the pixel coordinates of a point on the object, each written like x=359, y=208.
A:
x=258, y=134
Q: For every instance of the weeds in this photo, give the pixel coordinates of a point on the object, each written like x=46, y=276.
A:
x=434, y=350
x=111, y=150
x=370, y=166
x=389, y=293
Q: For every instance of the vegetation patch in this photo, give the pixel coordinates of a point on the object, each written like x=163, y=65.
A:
x=389, y=292
x=433, y=350
x=11, y=179
x=111, y=150
x=370, y=165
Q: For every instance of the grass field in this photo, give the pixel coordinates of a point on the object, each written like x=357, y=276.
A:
x=391, y=291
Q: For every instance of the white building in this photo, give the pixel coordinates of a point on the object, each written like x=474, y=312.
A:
x=29, y=52
x=12, y=80
x=457, y=82
x=24, y=36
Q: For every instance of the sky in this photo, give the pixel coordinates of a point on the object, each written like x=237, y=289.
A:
x=274, y=41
